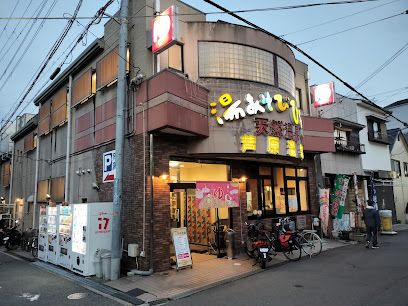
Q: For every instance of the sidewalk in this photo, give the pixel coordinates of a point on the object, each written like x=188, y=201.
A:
x=208, y=271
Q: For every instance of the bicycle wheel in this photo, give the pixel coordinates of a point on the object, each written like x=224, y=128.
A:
x=294, y=252
x=34, y=248
x=311, y=244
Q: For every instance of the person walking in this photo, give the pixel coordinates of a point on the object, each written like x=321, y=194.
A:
x=372, y=222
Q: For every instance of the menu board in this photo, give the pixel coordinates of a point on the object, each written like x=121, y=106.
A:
x=181, y=247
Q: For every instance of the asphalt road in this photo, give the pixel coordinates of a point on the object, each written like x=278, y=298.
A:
x=21, y=283
x=351, y=275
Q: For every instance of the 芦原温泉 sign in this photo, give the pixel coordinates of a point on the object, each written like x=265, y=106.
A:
x=339, y=196
x=278, y=137
x=212, y=194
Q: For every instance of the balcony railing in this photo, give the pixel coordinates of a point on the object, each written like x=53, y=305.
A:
x=378, y=136
x=350, y=146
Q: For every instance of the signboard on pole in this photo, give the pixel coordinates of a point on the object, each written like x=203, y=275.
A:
x=323, y=94
x=181, y=247
x=109, y=167
x=324, y=209
x=212, y=194
x=164, y=29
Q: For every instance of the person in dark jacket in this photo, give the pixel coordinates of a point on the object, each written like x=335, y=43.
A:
x=372, y=222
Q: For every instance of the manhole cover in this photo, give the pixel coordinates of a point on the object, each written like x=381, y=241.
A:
x=77, y=296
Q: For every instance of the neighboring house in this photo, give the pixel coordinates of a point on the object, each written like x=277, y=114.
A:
x=361, y=146
x=400, y=110
x=23, y=169
x=399, y=164
x=6, y=148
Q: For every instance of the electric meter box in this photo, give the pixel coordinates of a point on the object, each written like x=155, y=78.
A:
x=133, y=250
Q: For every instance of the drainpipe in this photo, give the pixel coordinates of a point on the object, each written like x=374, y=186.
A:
x=37, y=159
x=67, y=159
x=151, y=202
x=11, y=179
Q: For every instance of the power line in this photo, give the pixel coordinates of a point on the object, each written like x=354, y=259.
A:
x=352, y=28
x=299, y=50
x=12, y=12
x=279, y=8
x=50, y=54
x=336, y=19
x=95, y=20
x=373, y=74
x=15, y=28
x=26, y=48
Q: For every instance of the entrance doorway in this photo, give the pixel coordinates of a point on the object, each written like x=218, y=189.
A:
x=201, y=224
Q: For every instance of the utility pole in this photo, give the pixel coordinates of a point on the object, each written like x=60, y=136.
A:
x=67, y=159
x=120, y=112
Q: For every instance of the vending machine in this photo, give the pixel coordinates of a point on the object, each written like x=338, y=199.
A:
x=52, y=231
x=91, y=231
x=64, y=235
x=42, y=234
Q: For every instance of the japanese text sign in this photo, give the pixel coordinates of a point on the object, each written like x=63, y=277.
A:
x=339, y=196
x=181, y=247
x=211, y=194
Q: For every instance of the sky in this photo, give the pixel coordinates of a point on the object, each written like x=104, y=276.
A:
x=353, y=55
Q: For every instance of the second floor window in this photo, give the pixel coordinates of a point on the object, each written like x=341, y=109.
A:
x=406, y=169
x=396, y=167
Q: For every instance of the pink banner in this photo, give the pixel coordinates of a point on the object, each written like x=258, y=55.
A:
x=211, y=194
x=324, y=209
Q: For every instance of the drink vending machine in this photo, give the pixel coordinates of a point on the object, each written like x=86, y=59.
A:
x=42, y=234
x=52, y=227
x=64, y=235
x=91, y=230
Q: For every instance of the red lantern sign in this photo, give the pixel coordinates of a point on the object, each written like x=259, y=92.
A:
x=322, y=94
x=164, y=30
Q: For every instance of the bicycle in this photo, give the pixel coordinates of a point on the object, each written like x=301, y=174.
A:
x=310, y=242
x=34, y=246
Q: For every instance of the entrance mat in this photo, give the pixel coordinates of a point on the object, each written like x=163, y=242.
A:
x=199, y=248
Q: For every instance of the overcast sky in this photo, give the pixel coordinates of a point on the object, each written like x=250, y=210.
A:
x=352, y=55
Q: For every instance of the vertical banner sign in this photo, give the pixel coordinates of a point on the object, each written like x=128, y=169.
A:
x=109, y=167
x=211, y=194
x=324, y=208
x=373, y=192
x=339, y=196
x=181, y=247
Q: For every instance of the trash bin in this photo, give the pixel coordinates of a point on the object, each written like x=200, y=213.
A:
x=98, y=264
x=230, y=244
x=106, y=264
x=386, y=220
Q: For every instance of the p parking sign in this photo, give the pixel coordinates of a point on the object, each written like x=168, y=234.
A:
x=109, y=167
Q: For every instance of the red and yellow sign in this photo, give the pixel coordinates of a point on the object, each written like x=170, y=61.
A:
x=164, y=30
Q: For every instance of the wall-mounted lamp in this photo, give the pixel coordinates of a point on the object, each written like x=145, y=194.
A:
x=88, y=170
x=243, y=179
x=96, y=186
x=164, y=176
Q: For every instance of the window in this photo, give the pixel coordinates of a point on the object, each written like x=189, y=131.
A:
x=286, y=76
x=234, y=61
x=176, y=57
x=299, y=98
x=396, y=167
x=278, y=191
x=406, y=169
x=377, y=130
x=252, y=196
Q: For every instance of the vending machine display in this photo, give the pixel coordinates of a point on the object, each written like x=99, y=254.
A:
x=52, y=225
x=64, y=235
x=42, y=234
x=91, y=230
